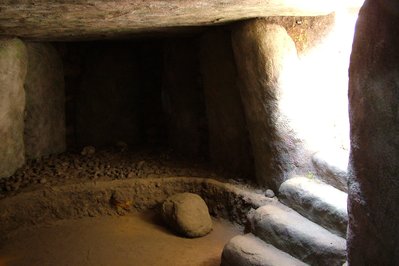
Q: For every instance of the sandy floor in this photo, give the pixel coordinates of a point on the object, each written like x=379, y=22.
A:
x=134, y=239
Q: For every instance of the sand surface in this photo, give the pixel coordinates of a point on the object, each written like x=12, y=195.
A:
x=138, y=239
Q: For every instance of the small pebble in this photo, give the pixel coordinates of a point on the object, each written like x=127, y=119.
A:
x=140, y=165
x=88, y=150
x=269, y=193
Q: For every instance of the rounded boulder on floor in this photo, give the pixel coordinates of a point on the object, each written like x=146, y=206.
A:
x=187, y=214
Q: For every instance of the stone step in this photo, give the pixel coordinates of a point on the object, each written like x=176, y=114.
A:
x=332, y=167
x=294, y=234
x=248, y=250
x=317, y=201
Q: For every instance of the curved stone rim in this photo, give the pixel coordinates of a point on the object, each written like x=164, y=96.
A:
x=91, y=199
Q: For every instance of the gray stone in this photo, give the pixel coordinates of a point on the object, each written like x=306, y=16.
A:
x=248, y=250
x=187, y=214
x=373, y=207
x=45, y=102
x=332, y=168
x=317, y=201
x=229, y=144
x=292, y=233
x=264, y=54
x=13, y=65
x=269, y=193
x=97, y=18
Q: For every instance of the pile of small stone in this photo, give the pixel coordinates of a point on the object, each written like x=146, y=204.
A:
x=106, y=164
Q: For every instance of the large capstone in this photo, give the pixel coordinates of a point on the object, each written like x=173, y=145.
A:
x=13, y=65
x=45, y=102
x=98, y=18
x=187, y=214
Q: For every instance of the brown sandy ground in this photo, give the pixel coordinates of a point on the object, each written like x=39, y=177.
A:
x=136, y=239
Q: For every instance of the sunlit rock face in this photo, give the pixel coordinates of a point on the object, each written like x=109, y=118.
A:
x=264, y=53
x=373, y=95
x=45, y=19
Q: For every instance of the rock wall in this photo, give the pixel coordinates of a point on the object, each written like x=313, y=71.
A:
x=45, y=102
x=324, y=44
x=13, y=66
x=265, y=54
x=374, y=101
x=183, y=98
x=229, y=145
x=107, y=101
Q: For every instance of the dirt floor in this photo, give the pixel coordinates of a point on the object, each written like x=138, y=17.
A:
x=135, y=239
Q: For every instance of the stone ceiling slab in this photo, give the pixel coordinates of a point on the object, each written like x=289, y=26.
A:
x=83, y=19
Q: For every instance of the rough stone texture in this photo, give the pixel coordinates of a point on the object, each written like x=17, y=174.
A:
x=183, y=98
x=306, y=32
x=45, y=102
x=187, y=214
x=248, y=250
x=373, y=95
x=90, y=19
x=229, y=145
x=13, y=65
x=93, y=199
x=317, y=201
x=332, y=168
x=324, y=44
x=292, y=233
x=107, y=101
x=265, y=56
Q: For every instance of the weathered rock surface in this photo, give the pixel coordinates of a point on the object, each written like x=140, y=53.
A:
x=292, y=233
x=264, y=53
x=317, y=201
x=107, y=101
x=187, y=214
x=248, y=250
x=332, y=168
x=373, y=96
x=183, y=98
x=13, y=66
x=229, y=144
x=87, y=198
x=45, y=102
x=79, y=18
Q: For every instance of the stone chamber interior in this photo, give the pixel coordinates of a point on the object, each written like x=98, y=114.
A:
x=98, y=132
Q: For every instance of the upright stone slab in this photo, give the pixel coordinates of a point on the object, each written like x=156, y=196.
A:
x=107, y=102
x=264, y=54
x=374, y=103
x=13, y=64
x=45, y=102
x=229, y=144
x=183, y=97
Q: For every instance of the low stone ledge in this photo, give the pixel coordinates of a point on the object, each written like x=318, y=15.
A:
x=114, y=197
